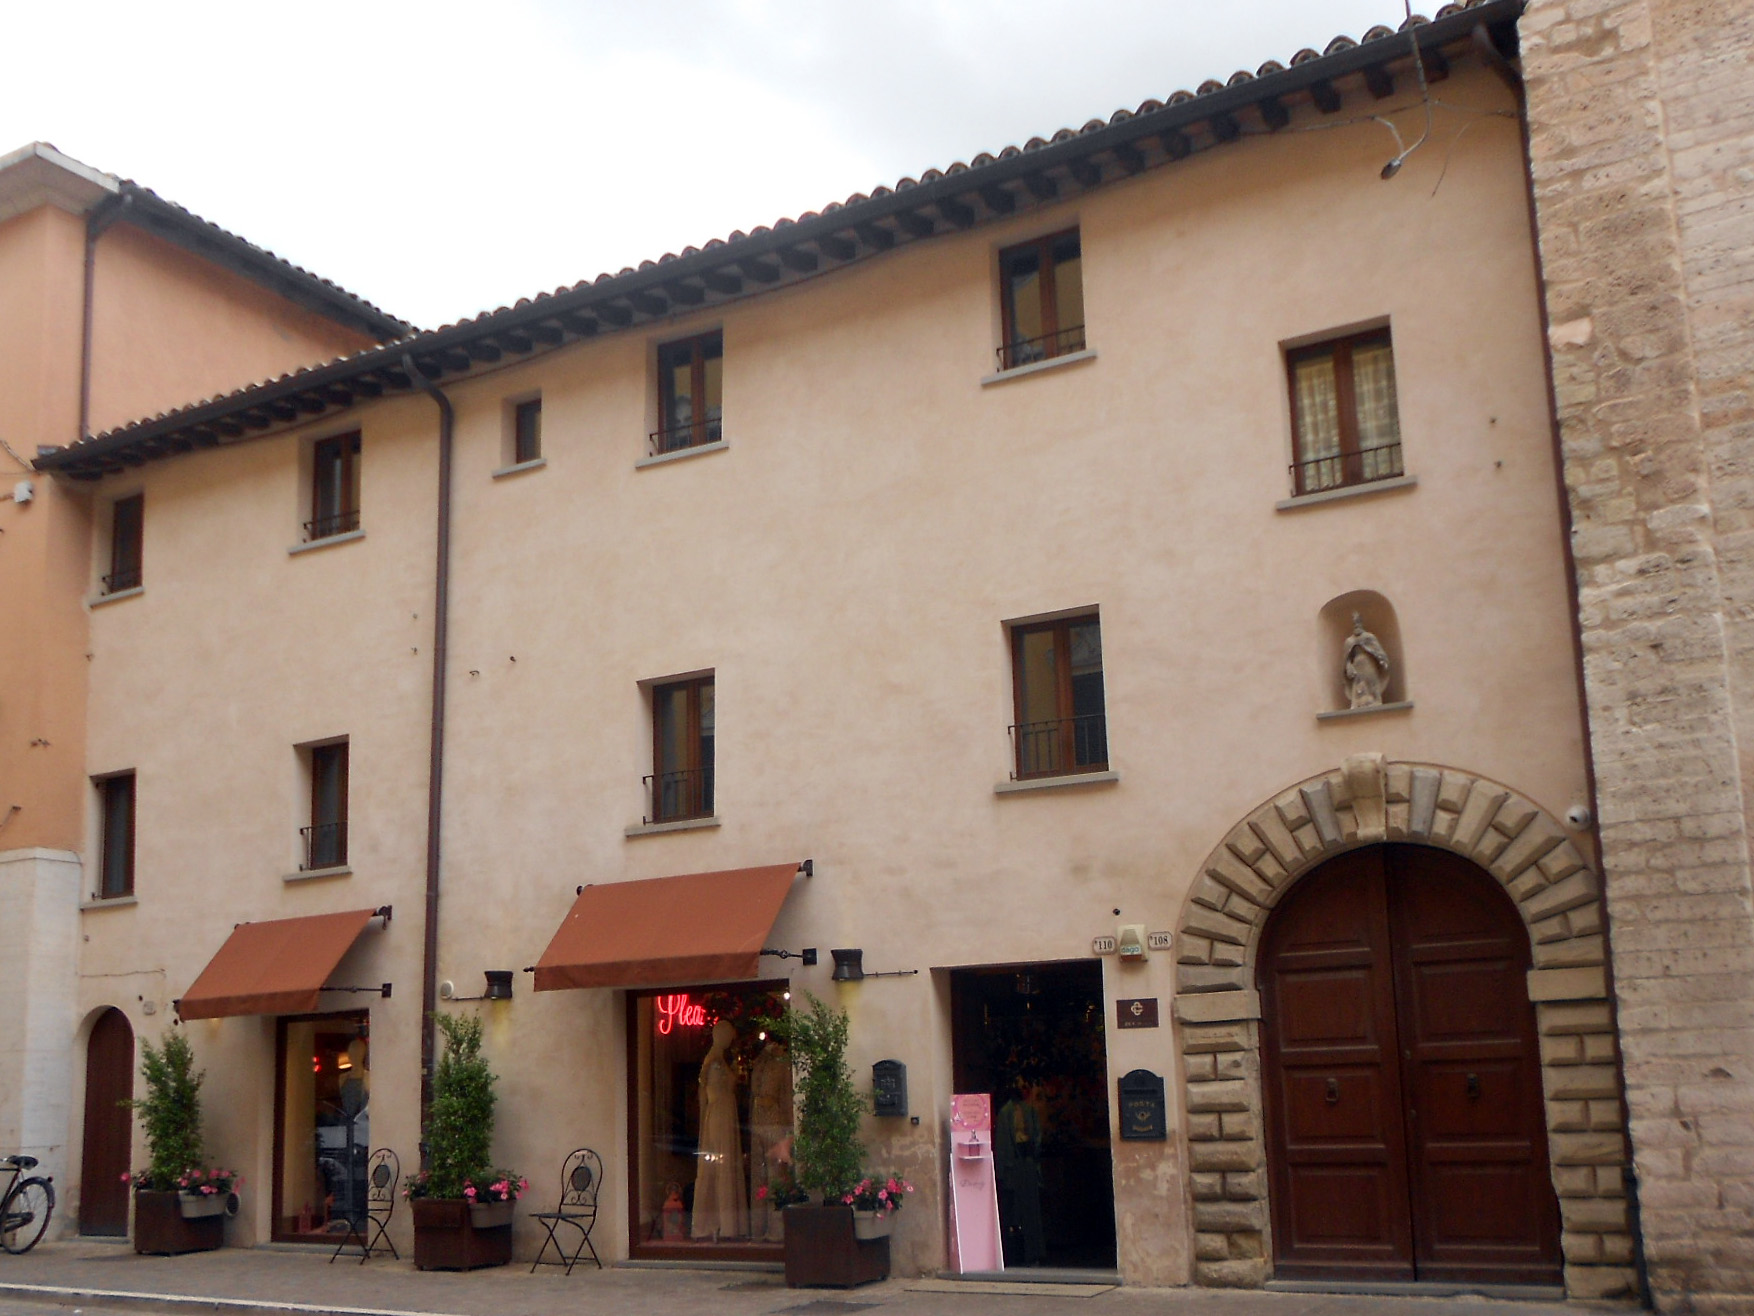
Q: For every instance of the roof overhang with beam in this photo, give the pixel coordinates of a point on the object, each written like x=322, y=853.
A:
x=990, y=189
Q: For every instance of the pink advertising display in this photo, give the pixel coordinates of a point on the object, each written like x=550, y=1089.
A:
x=974, y=1196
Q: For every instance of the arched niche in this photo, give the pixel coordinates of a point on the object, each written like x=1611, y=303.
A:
x=1334, y=624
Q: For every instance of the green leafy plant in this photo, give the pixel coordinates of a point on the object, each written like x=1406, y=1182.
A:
x=460, y=1134
x=170, y=1113
x=826, y=1149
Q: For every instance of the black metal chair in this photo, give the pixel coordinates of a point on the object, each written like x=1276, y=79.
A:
x=382, y=1174
x=580, y=1178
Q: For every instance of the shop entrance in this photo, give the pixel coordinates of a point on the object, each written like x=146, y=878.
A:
x=322, y=1126
x=109, y=1083
x=1031, y=1035
x=709, y=1138
x=1406, y=1138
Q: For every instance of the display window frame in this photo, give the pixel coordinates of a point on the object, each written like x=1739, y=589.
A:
x=641, y=1247
x=354, y=1019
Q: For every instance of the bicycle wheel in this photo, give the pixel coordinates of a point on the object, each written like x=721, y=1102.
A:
x=24, y=1215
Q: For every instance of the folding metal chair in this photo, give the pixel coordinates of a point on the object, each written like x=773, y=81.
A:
x=382, y=1173
x=580, y=1178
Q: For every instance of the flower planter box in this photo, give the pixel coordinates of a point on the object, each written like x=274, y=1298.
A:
x=161, y=1229
x=447, y=1238
x=823, y=1251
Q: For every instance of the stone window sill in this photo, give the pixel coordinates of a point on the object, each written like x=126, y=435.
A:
x=1349, y=491
x=659, y=829
x=328, y=541
x=1399, y=706
x=681, y=455
x=108, y=902
x=318, y=874
x=1057, y=783
x=519, y=468
x=1036, y=367
x=101, y=599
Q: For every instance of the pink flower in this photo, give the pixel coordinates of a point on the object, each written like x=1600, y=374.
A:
x=760, y=1193
x=523, y=1185
x=126, y=1177
x=469, y=1192
x=208, y=1188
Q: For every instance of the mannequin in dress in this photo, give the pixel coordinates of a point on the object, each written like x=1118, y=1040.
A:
x=721, y=1208
x=770, y=1123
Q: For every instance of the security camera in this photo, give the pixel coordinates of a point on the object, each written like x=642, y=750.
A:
x=1577, y=817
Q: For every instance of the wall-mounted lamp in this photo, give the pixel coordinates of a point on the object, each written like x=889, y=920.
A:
x=499, y=987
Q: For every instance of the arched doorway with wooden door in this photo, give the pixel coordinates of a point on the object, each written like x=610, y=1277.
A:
x=1406, y=1136
x=1469, y=839
x=109, y=1126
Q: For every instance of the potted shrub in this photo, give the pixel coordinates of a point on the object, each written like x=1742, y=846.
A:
x=462, y=1206
x=179, y=1204
x=823, y=1249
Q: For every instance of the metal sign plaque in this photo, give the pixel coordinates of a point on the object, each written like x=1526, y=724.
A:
x=1136, y=1014
x=1102, y=945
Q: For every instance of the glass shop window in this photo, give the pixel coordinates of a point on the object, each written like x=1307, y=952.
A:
x=713, y=1119
x=324, y=1134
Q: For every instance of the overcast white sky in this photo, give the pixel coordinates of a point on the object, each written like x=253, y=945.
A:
x=441, y=158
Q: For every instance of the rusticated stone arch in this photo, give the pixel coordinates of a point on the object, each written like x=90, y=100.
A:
x=1366, y=801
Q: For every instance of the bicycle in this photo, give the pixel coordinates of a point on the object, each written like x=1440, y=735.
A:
x=26, y=1206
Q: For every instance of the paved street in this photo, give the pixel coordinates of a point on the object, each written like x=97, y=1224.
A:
x=101, y=1279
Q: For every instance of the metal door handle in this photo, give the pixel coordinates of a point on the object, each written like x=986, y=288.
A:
x=1333, y=1092
x=1473, y=1087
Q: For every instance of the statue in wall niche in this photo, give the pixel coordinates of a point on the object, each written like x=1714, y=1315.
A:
x=1366, y=666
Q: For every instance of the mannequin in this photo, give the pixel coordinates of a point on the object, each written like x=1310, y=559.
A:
x=770, y=1124
x=721, y=1210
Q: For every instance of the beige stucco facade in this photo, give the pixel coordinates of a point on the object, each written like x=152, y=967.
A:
x=165, y=326
x=845, y=565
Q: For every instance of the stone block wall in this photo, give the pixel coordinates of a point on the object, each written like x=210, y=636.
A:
x=1641, y=131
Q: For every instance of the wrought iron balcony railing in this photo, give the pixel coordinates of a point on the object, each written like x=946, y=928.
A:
x=327, y=527
x=1060, y=746
x=677, y=796
x=325, y=845
x=1027, y=351
x=1347, y=468
x=689, y=434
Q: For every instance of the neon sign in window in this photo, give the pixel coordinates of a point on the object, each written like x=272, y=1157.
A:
x=678, y=1011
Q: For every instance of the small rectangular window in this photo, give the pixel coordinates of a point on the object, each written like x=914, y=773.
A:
x=116, y=845
x=1061, y=725
x=690, y=393
x=681, y=784
x=1041, y=290
x=127, y=521
x=1344, y=414
x=325, y=840
x=527, y=431
x=334, y=487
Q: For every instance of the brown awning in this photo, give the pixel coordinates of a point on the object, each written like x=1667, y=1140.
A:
x=700, y=927
x=277, y=967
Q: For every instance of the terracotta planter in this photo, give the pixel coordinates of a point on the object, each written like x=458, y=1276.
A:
x=160, y=1228
x=446, y=1238
x=824, y=1252
x=873, y=1224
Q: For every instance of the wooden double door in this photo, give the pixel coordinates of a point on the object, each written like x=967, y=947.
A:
x=1406, y=1136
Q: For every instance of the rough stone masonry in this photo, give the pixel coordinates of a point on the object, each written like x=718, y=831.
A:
x=1641, y=123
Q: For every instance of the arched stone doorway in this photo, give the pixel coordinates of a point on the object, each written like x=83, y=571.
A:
x=1218, y=1009
x=109, y=1126
x=1402, y=1078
